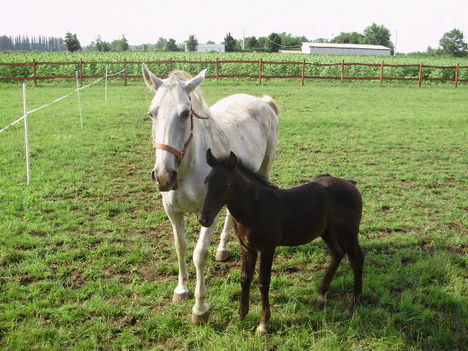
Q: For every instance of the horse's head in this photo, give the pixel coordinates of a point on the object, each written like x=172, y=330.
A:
x=171, y=112
x=219, y=185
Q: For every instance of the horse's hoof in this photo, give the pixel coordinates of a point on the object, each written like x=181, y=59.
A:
x=222, y=255
x=261, y=330
x=321, y=301
x=180, y=297
x=200, y=318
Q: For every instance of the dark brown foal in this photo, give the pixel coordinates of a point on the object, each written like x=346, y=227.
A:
x=266, y=217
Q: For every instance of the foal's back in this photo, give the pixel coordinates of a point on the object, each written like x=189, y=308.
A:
x=310, y=210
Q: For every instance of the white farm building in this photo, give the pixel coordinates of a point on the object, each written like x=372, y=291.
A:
x=345, y=49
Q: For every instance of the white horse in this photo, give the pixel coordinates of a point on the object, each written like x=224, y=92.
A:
x=184, y=128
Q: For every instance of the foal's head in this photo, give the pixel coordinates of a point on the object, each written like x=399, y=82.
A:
x=219, y=182
x=170, y=111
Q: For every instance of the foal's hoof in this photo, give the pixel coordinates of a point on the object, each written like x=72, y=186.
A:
x=180, y=297
x=261, y=330
x=200, y=318
x=321, y=301
x=222, y=255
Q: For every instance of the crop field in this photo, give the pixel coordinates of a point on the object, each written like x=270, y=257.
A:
x=96, y=68
x=86, y=253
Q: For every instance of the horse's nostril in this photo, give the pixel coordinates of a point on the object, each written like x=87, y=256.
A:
x=173, y=176
x=153, y=175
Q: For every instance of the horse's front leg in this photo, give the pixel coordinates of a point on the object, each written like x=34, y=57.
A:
x=264, y=277
x=222, y=252
x=201, y=309
x=249, y=259
x=178, y=228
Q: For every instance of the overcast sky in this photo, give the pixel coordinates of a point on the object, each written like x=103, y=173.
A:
x=414, y=25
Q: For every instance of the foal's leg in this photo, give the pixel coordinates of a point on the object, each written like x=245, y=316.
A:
x=222, y=253
x=337, y=254
x=249, y=259
x=356, y=259
x=266, y=259
x=201, y=309
x=178, y=228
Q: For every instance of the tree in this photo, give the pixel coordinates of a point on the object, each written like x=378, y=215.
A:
x=171, y=45
x=452, y=43
x=72, y=43
x=120, y=44
x=6, y=43
x=160, y=44
x=251, y=43
x=273, y=43
x=191, y=43
x=378, y=35
x=290, y=42
x=349, y=38
x=229, y=43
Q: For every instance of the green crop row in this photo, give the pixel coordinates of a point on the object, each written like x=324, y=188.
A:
x=94, y=64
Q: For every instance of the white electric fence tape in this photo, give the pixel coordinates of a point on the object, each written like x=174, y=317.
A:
x=27, y=113
x=57, y=100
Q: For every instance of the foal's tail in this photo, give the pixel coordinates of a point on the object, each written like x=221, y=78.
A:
x=269, y=100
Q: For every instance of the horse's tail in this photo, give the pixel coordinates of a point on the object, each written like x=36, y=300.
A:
x=269, y=100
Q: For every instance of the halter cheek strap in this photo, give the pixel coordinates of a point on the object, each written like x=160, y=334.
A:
x=180, y=154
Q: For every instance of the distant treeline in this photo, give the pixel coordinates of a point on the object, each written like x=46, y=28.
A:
x=26, y=43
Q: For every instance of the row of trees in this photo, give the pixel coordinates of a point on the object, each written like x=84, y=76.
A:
x=26, y=43
x=452, y=43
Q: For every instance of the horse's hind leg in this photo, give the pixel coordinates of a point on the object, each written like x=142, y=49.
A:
x=356, y=259
x=222, y=252
x=337, y=254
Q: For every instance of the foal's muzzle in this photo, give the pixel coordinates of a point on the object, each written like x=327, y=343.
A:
x=204, y=220
x=165, y=181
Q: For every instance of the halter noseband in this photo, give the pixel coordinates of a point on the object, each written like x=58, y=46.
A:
x=180, y=154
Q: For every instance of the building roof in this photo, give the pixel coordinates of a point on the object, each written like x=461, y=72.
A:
x=346, y=46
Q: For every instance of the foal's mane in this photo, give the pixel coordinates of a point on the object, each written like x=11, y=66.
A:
x=249, y=172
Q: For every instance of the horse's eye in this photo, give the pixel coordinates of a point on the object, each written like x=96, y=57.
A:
x=185, y=114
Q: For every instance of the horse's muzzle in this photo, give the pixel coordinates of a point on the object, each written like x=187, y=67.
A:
x=165, y=181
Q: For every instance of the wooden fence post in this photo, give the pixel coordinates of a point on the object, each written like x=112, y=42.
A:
x=260, y=71
x=217, y=68
x=457, y=74
x=420, y=75
x=382, y=73
x=303, y=72
x=35, y=72
x=81, y=71
x=125, y=72
x=342, y=71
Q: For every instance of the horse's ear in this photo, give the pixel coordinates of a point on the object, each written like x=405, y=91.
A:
x=210, y=159
x=195, y=82
x=151, y=80
x=232, y=161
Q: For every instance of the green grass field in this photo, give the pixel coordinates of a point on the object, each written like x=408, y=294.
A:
x=86, y=254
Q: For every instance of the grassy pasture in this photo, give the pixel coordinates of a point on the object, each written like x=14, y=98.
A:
x=86, y=255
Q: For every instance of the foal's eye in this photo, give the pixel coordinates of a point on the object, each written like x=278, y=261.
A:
x=185, y=114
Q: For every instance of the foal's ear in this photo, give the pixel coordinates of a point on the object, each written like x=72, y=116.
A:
x=232, y=161
x=210, y=159
x=195, y=82
x=151, y=80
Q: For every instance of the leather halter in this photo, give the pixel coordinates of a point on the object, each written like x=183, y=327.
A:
x=180, y=154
